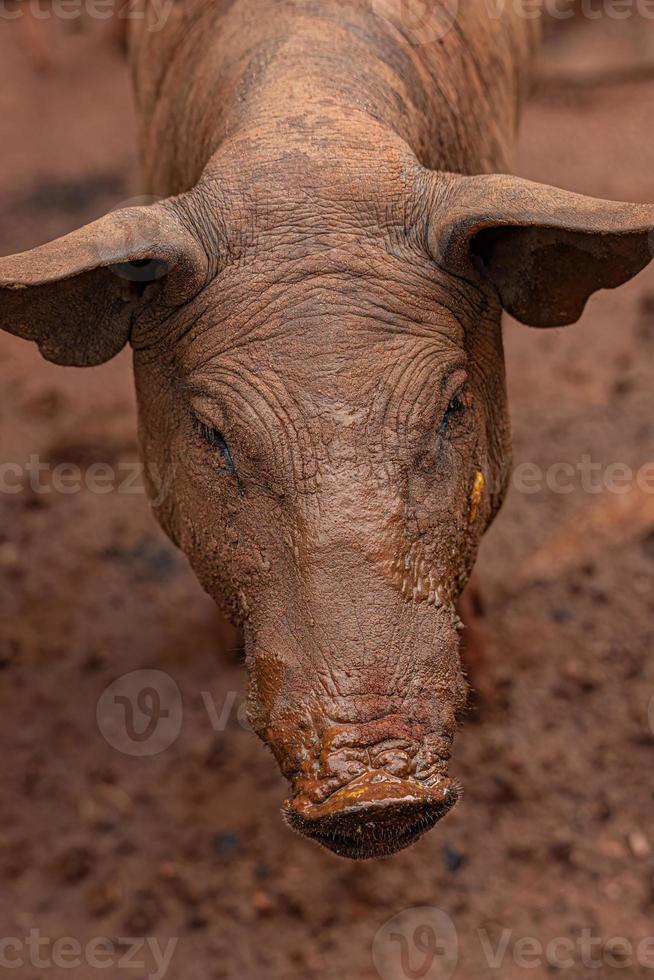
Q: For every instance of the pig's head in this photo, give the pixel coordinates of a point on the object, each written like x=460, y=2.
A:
x=320, y=376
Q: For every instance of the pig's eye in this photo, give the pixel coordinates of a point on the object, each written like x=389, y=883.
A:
x=454, y=410
x=215, y=439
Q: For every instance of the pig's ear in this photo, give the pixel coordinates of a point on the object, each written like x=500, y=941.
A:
x=545, y=250
x=79, y=296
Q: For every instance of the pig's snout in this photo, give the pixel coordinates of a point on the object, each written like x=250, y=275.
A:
x=363, y=796
x=365, y=746
x=373, y=815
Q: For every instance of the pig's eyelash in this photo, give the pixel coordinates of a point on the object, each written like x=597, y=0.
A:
x=454, y=410
x=215, y=439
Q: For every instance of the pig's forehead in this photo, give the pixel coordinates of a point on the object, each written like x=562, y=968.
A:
x=358, y=298
x=324, y=360
x=321, y=333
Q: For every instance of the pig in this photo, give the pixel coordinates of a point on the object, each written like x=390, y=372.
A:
x=314, y=306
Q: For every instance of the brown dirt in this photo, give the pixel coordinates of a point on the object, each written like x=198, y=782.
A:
x=555, y=832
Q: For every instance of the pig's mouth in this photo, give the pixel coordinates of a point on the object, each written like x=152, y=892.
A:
x=376, y=814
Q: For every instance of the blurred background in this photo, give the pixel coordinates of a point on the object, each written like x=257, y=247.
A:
x=555, y=833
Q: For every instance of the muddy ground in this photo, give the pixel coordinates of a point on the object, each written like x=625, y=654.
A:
x=555, y=833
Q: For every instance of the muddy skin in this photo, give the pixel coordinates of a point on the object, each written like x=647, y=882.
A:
x=343, y=527
x=316, y=326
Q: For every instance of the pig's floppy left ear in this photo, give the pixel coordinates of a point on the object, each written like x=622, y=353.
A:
x=545, y=250
x=79, y=296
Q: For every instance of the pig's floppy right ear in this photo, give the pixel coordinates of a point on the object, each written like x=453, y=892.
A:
x=544, y=250
x=78, y=297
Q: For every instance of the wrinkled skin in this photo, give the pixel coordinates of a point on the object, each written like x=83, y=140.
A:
x=346, y=530
x=316, y=325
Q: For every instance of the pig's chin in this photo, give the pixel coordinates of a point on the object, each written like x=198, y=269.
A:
x=374, y=815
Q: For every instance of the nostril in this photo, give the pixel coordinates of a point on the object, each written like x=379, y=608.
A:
x=352, y=769
x=394, y=762
x=345, y=765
